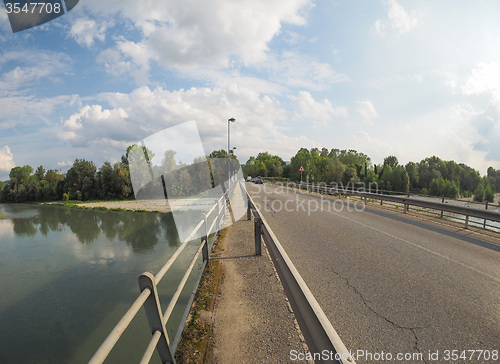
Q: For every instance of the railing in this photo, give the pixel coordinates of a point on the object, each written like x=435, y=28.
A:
x=468, y=212
x=149, y=294
x=319, y=333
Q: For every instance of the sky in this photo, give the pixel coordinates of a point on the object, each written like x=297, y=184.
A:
x=384, y=77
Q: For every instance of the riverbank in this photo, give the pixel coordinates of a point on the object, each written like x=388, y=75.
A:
x=161, y=206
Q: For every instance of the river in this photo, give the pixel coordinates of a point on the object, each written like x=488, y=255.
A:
x=68, y=275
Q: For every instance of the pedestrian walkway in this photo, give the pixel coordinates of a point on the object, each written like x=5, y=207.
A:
x=253, y=322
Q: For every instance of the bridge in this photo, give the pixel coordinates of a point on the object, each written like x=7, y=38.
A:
x=366, y=281
x=388, y=281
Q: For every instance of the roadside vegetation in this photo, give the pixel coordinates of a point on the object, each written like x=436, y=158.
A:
x=431, y=176
x=196, y=341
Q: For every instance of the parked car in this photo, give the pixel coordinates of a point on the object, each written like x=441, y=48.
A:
x=249, y=179
x=259, y=180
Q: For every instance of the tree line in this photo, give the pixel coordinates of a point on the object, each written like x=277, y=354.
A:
x=430, y=176
x=84, y=181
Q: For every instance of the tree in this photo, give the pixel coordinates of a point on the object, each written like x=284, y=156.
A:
x=385, y=179
x=349, y=175
x=19, y=179
x=301, y=159
x=391, y=161
x=429, y=169
x=412, y=170
x=121, y=181
x=80, y=180
x=479, y=193
x=218, y=154
x=335, y=171
x=104, y=181
x=40, y=173
x=488, y=194
x=399, y=179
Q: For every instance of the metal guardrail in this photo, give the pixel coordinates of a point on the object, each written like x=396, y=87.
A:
x=407, y=202
x=149, y=299
x=319, y=333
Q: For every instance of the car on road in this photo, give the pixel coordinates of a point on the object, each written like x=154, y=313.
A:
x=259, y=180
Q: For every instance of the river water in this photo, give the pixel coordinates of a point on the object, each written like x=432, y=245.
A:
x=68, y=275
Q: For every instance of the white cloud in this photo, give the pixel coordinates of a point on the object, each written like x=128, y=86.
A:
x=484, y=117
x=484, y=79
x=317, y=112
x=30, y=67
x=132, y=117
x=85, y=31
x=6, y=159
x=64, y=163
x=98, y=123
x=380, y=26
x=376, y=148
x=295, y=70
x=366, y=110
x=198, y=33
x=29, y=110
x=398, y=18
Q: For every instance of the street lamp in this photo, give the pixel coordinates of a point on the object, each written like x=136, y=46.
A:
x=229, y=121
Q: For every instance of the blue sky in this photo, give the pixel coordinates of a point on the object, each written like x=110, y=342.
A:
x=384, y=77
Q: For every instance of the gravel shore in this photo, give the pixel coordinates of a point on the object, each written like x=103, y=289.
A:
x=155, y=205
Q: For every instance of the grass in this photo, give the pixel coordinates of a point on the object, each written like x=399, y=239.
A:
x=196, y=341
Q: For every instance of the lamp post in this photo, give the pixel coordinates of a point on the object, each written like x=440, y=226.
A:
x=229, y=121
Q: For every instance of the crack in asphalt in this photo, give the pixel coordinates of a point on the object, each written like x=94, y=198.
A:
x=366, y=301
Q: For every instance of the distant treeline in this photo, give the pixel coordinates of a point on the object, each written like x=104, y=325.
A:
x=431, y=176
x=83, y=181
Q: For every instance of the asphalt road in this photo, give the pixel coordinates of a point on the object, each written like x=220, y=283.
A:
x=392, y=283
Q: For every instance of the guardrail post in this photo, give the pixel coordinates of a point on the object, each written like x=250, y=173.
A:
x=258, y=235
x=249, y=205
x=204, y=239
x=466, y=221
x=405, y=208
x=155, y=317
x=442, y=211
x=486, y=208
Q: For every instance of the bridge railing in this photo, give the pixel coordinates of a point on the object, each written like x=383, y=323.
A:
x=149, y=298
x=441, y=207
x=319, y=333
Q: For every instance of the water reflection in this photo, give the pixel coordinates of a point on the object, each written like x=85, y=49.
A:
x=140, y=230
x=68, y=275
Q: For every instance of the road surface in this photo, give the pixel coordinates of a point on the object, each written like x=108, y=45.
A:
x=393, y=286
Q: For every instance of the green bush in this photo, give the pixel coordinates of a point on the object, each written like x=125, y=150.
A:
x=479, y=193
x=488, y=194
x=65, y=197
